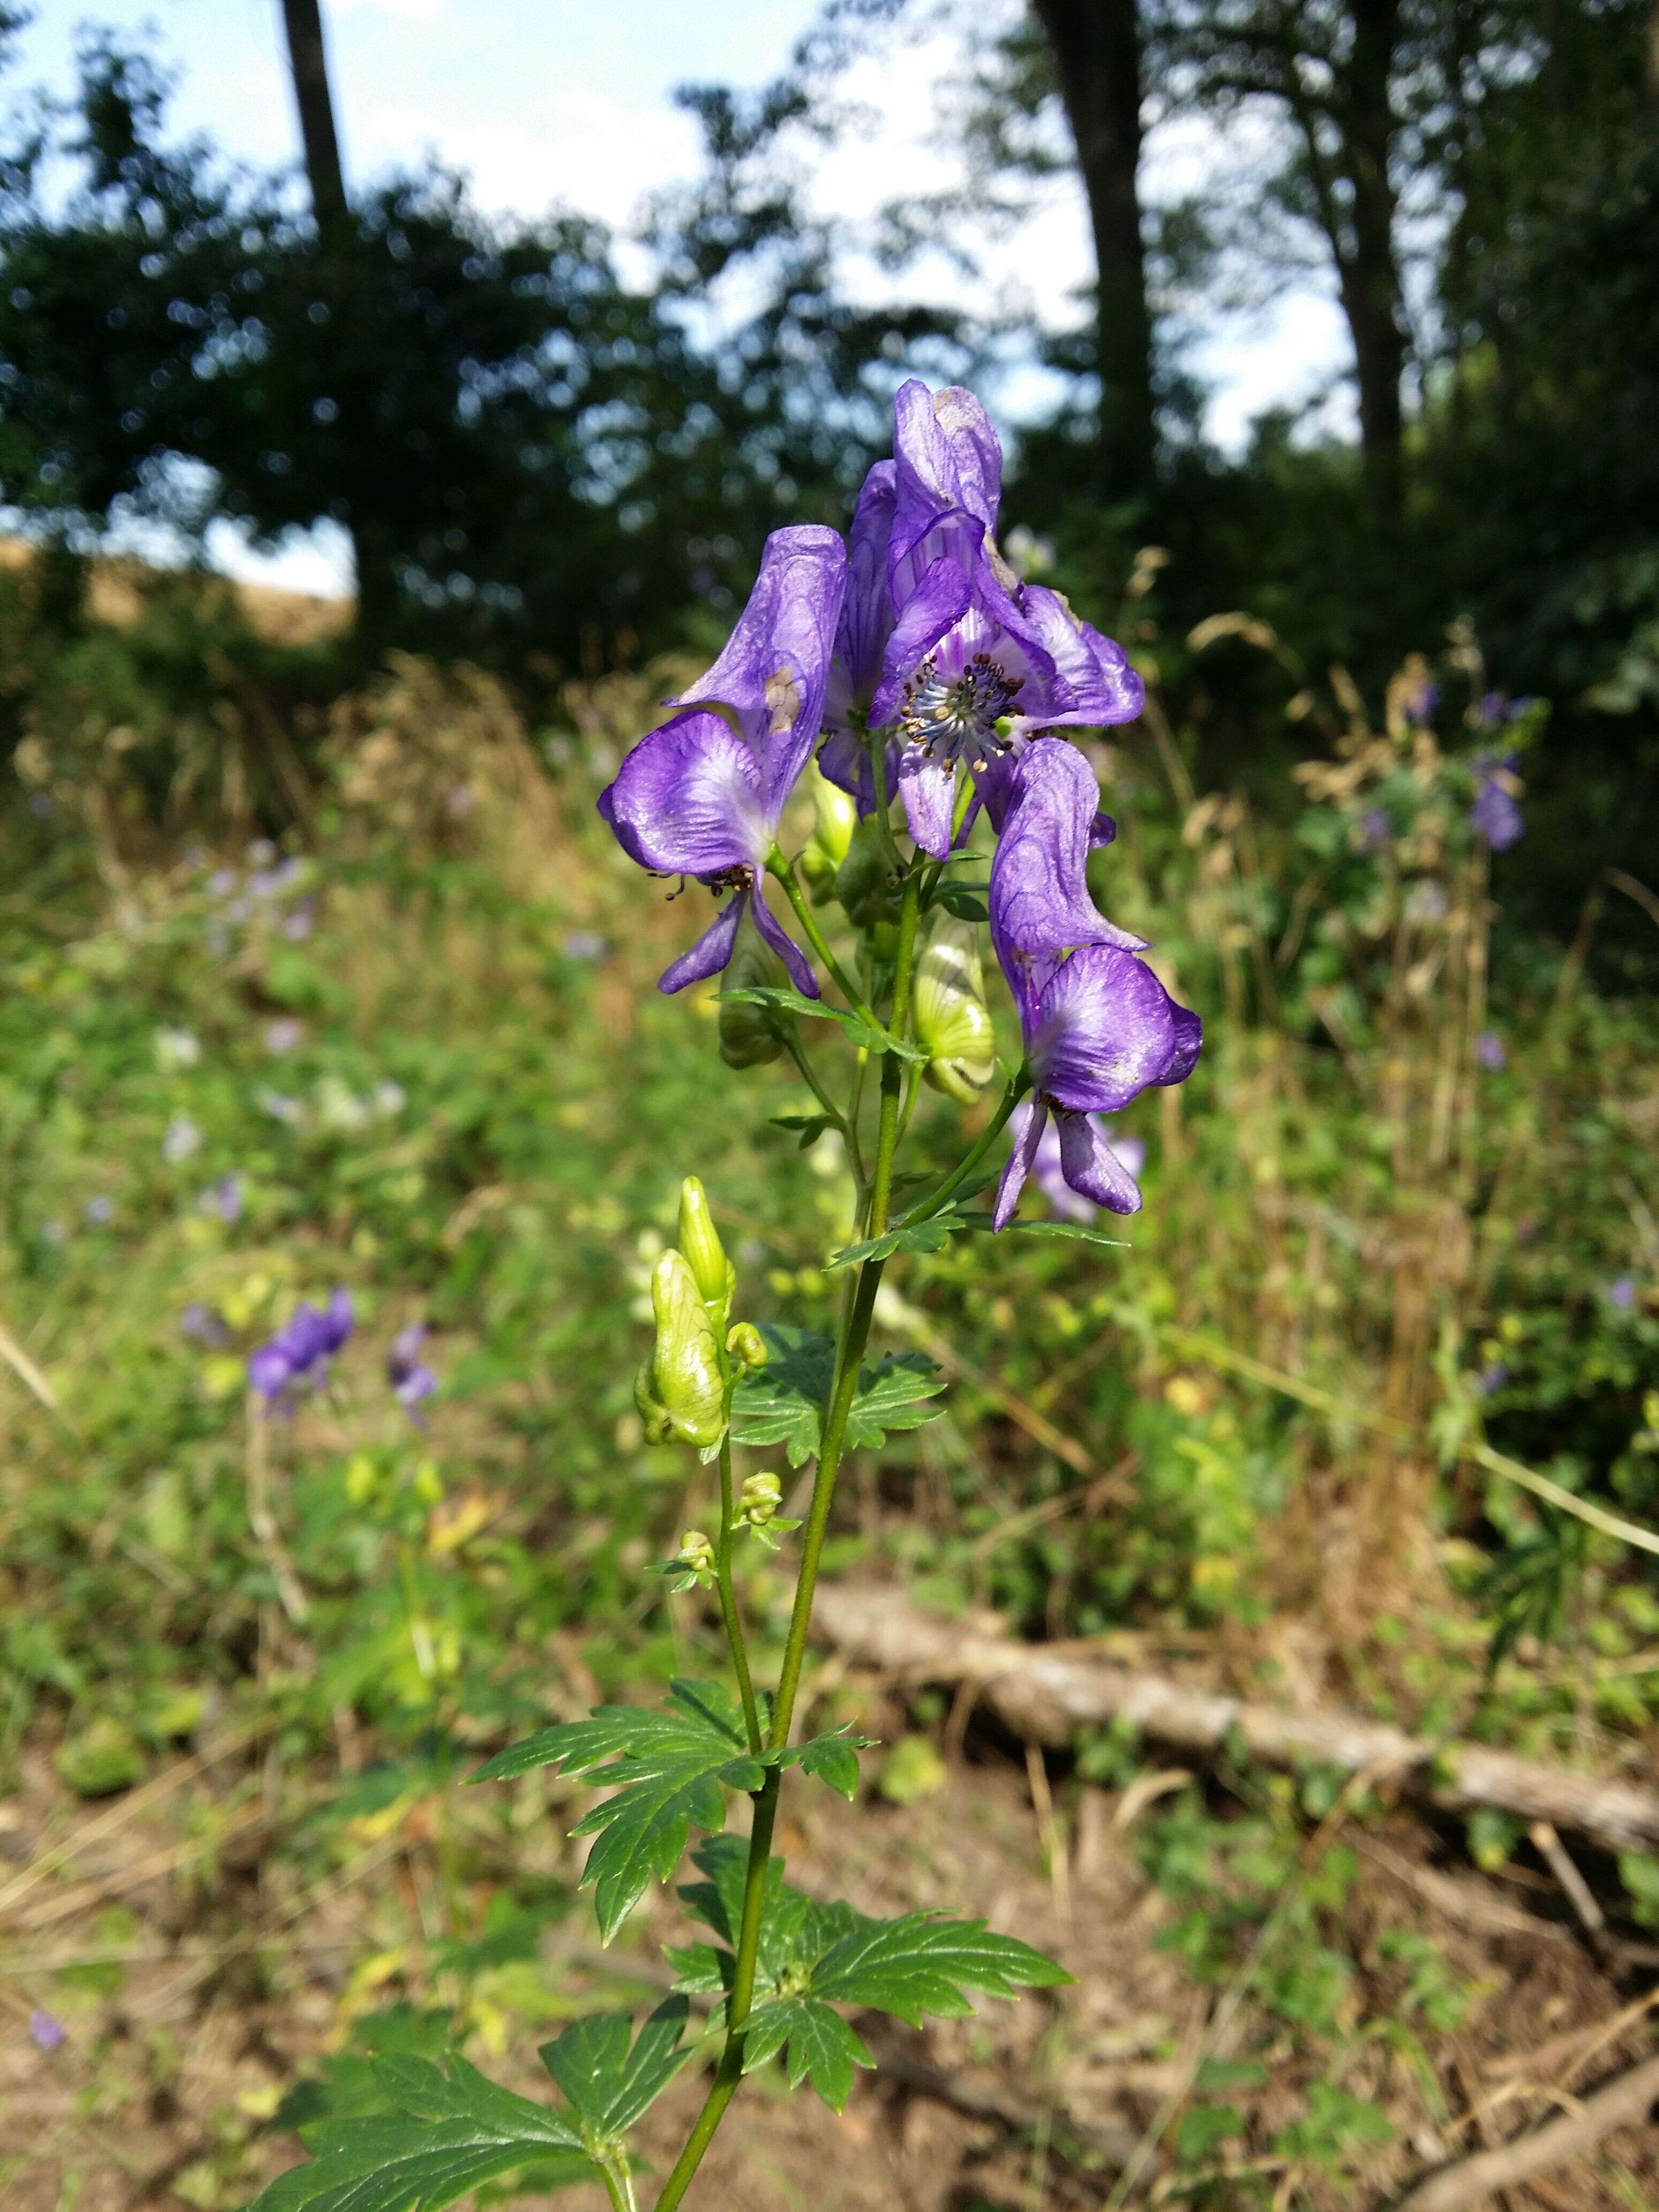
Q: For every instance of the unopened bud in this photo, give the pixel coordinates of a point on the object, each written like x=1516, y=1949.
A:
x=864, y=881
x=747, y=1347
x=700, y=1241
x=763, y=1494
x=685, y=1367
x=835, y=817
x=751, y=1036
x=696, y=1552
x=952, y=1019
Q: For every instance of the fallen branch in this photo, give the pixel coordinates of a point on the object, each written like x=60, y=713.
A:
x=1046, y=1696
x=1623, y=2103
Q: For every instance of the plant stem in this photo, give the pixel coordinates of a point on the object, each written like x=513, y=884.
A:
x=844, y=1122
x=729, y=2071
x=785, y=872
x=729, y=1614
x=619, y=2188
x=892, y=1071
x=884, y=802
x=1019, y=1085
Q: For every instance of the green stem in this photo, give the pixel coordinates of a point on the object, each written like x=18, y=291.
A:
x=729, y=2071
x=1019, y=1085
x=729, y=1614
x=892, y=1068
x=619, y=2188
x=844, y=1122
x=785, y=872
x=883, y=803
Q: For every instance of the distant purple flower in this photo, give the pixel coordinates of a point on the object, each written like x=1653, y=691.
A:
x=695, y=798
x=223, y=1198
x=1376, y=828
x=221, y=883
x=1049, y=1169
x=1490, y=1052
x=182, y=1139
x=310, y=1337
x=204, y=1324
x=99, y=1212
x=280, y=1107
x=1495, y=816
x=283, y=1034
x=297, y=925
x=412, y=1381
x=1491, y=1378
x=46, y=2031
x=1420, y=705
x=40, y=805
x=1622, y=1293
x=584, y=945
x=1491, y=707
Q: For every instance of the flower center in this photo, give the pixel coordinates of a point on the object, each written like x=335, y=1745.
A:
x=956, y=719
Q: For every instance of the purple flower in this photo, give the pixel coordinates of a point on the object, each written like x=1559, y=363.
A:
x=204, y=1324
x=695, y=798
x=1421, y=704
x=282, y=1034
x=1622, y=1293
x=584, y=945
x=311, y=1336
x=1494, y=816
x=1045, y=806
x=46, y=2031
x=1049, y=1169
x=942, y=646
x=99, y=1212
x=298, y=923
x=1491, y=1378
x=1492, y=706
x=1489, y=1051
x=1376, y=828
x=411, y=1379
x=223, y=1198
x=1098, y=1028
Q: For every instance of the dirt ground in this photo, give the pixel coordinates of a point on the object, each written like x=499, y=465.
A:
x=161, y=2093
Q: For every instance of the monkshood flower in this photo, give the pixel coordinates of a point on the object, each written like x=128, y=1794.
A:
x=1490, y=1052
x=311, y=1336
x=412, y=1381
x=1495, y=815
x=1099, y=1027
x=695, y=798
x=223, y=1198
x=941, y=647
x=1049, y=1169
x=46, y=2031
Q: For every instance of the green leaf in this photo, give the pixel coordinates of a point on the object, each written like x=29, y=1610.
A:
x=921, y=1963
x=865, y=1035
x=608, y=2085
x=821, y=2047
x=668, y=1768
x=964, y=900
x=811, y=1126
x=936, y=1232
x=448, y=2129
x=783, y=1402
x=832, y=1759
x=1072, y=1229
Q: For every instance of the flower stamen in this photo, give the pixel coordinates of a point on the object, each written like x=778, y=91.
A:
x=954, y=719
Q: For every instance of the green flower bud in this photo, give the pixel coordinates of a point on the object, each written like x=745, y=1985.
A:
x=864, y=881
x=747, y=1347
x=685, y=1367
x=952, y=1019
x=763, y=1494
x=836, y=814
x=751, y=1036
x=700, y=1241
x=696, y=1552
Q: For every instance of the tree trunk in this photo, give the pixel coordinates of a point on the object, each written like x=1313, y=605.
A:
x=1096, y=50
x=1368, y=274
x=307, y=61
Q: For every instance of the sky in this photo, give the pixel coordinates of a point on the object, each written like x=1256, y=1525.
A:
x=563, y=101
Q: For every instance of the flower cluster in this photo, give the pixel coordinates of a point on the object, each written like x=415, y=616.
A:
x=302, y=1348
x=922, y=670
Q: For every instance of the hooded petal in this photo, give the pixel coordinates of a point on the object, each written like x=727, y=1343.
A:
x=1064, y=1203
x=1184, y=1046
x=1092, y=1168
x=866, y=615
x=711, y=951
x=1102, y=1029
x=775, y=665
x=801, y=972
x=929, y=788
x=1039, y=899
x=942, y=598
x=1097, y=687
x=946, y=455
x=688, y=800
x=1028, y=1120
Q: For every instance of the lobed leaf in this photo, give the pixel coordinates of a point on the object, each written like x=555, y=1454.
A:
x=922, y=1963
x=608, y=2085
x=668, y=1769
x=783, y=1402
x=867, y=1035
x=818, y=2044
